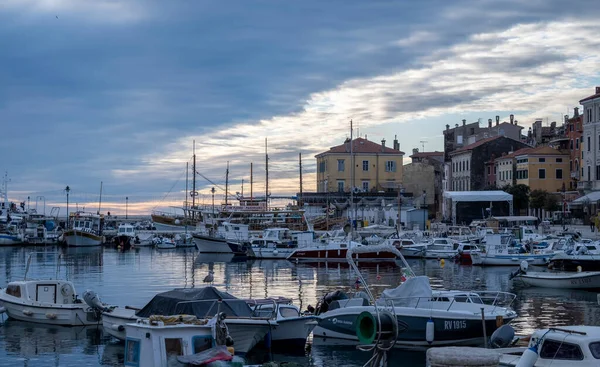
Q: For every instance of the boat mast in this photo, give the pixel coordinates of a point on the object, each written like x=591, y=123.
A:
x=226, y=183
x=251, y=182
x=352, y=213
x=300, y=167
x=267, y=176
x=5, y=194
x=185, y=211
x=194, y=179
x=100, y=201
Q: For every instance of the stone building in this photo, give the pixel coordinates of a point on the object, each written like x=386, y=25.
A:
x=423, y=178
x=590, y=178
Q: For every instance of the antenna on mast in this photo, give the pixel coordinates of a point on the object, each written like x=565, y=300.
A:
x=423, y=144
x=226, y=183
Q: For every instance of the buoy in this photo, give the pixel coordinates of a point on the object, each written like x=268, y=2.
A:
x=116, y=327
x=230, y=350
x=528, y=358
x=442, y=262
x=579, y=268
x=27, y=312
x=430, y=331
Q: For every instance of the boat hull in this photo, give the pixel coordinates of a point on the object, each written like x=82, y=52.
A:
x=238, y=249
x=509, y=260
x=325, y=254
x=450, y=329
x=246, y=333
x=9, y=240
x=270, y=253
x=77, y=238
x=292, y=333
x=582, y=280
x=429, y=254
x=67, y=315
x=211, y=245
x=114, y=322
x=412, y=252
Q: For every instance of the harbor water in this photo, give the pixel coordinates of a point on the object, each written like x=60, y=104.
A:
x=134, y=277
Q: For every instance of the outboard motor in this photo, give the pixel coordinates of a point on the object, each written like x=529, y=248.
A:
x=502, y=337
x=323, y=305
x=522, y=269
x=92, y=300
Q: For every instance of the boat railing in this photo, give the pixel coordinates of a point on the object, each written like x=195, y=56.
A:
x=218, y=302
x=490, y=298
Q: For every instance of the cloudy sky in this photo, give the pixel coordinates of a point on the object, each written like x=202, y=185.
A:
x=117, y=91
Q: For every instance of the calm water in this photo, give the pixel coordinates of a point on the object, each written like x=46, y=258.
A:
x=132, y=278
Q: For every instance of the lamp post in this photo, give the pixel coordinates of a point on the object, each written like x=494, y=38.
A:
x=67, y=190
x=213, y=201
x=126, y=205
x=424, y=210
x=564, y=203
x=400, y=194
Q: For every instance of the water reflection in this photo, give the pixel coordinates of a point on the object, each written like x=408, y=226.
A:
x=134, y=277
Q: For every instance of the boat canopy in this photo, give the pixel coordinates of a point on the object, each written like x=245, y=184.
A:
x=200, y=302
x=408, y=293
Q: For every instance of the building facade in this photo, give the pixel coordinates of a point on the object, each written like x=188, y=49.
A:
x=574, y=132
x=367, y=167
x=542, y=168
x=425, y=175
x=506, y=168
x=467, y=166
x=590, y=177
x=461, y=136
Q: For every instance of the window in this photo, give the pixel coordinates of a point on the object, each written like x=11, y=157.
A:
x=464, y=166
x=570, y=165
x=340, y=185
x=365, y=186
x=365, y=165
x=588, y=144
x=467, y=165
x=340, y=165
x=322, y=166
x=201, y=343
x=390, y=166
x=558, y=160
x=541, y=173
x=14, y=290
x=559, y=175
x=571, y=145
x=132, y=352
x=576, y=144
x=559, y=350
x=597, y=172
x=489, y=170
x=542, y=160
x=589, y=176
x=287, y=312
x=595, y=349
x=173, y=347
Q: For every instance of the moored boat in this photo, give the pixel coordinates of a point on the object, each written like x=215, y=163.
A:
x=85, y=230
x=336, y=250
x=558, y=279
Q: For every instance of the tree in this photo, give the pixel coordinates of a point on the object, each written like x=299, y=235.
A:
x=551, y=203
x=537, y=199
x=520, y=195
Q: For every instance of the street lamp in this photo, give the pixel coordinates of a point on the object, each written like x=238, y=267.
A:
x=126, y=205
x=67, y=190
x=563, y=204
x=400, y=194
x=424, y=210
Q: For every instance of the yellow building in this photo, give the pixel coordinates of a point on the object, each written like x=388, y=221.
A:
x=543, y=168
x=376, y=167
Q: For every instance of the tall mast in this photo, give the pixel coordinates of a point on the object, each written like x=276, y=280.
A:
x=300, y=167
x=226, y=183
x=187, y=170
x=267, y=176
x=5, y=193
x=351, y=180
x=100, y=201
x=251, y=182
x=194, y=179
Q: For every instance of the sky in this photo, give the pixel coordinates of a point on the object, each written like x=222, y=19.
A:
x=116, y=92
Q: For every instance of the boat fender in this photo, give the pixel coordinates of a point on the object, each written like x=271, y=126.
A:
x=524, y=266
x=116, y=327
x=579, y=268
x=27, y=312
x=528, y=358
x=430, y=331
x=51, y=316
x=275, y=252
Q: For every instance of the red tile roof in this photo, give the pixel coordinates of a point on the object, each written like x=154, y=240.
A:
x=597, y=95
x=476, y=144
x=516, y=153
x=427, y=154
x=361, y=145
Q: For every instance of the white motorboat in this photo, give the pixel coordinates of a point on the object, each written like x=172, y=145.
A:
x=211, y=243
x=500, y=252
x=185, y=240
x=558, y=279
x=441, y=248
x=292, y=328
x=10, y=239
x=408, y=247
x=86, y=230
x=565, y=346
x=246, y=329
x=162, y=341
x=165, y=243
x=47, y=301
x=125, y=235
x=279, y=243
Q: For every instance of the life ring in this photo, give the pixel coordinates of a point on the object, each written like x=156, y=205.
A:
x=64, y=290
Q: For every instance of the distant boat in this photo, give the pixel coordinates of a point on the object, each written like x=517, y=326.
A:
x=558, y=279
x=86, y=230
x=166, y=244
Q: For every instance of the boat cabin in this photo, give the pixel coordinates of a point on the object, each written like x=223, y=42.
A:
x=87, y=222
x=157, y=344
x=59, y=292
x=126, y=230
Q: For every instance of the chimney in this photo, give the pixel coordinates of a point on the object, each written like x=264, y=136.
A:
x=383, y=145
x=490, y=123
x=597, y=90
x=576, y=112
x=447, y=127
x=566, y=118
x=456, y=125
x=512, y=119
x=497, y=120
x=396, y=144
x=464, y=122
x=415, y=150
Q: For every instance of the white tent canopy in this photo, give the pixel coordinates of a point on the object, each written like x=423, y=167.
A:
x=477, y=196
x=592, y=197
